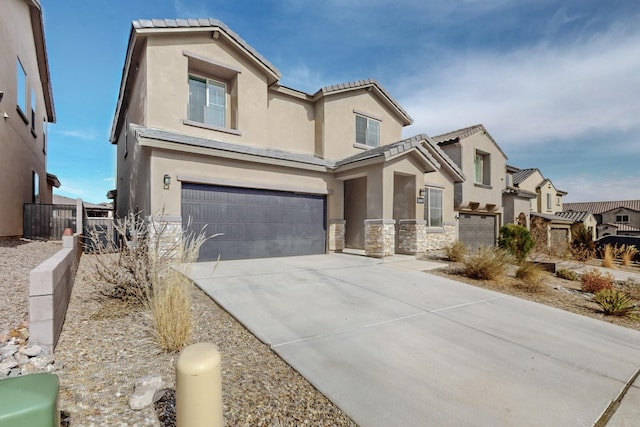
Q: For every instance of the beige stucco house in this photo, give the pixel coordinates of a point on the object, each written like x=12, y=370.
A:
x=477, y=198
x=26, y=107
x=621, y=217
x=206, y=135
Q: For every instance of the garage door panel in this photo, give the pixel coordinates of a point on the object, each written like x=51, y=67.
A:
x=255, y=223
x=477, y=230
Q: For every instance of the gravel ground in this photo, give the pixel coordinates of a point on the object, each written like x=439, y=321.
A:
x=17, y=259
x=105, y=347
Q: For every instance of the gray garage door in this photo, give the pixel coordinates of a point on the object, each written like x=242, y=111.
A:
x=477, y=230
x=254, y=223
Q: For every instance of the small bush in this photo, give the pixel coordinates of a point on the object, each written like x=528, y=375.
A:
x=531, y=275
x=486, y=263
x=583, y=248
x=627, y=254
x=567, y=274
x=594, y=281
x=455, y=252
x=614, y=302
x=517, y=240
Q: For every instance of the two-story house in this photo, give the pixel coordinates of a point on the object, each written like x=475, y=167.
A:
x=477, y=198
x=206, y=135
x=621, y=218
x=26, y=107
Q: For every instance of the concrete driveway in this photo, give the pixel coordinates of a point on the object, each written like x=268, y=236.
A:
x=392, y=345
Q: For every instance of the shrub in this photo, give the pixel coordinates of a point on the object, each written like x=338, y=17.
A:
x=517, y=240
x=627, y=254
x=614, y=302
x=583, y=248
x=531, y=275
x=486, y=263
x=567, y=274
x=456, y=251
x=594, y=281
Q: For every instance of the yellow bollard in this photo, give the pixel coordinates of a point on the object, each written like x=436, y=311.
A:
x=199, y=387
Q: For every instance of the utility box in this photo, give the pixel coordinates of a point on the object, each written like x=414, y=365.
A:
x=29, y=400
x=199, y=387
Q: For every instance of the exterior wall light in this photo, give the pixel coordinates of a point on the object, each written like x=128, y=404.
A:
x=167, y=181
x=421, y=193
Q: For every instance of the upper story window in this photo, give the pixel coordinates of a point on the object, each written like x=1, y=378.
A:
x=207, y=101
x=44, y=136
x=213, y=94
x=482, y=168
x=558, y=200
x=548, y=201
x=367, y=131
x=33, y=112
x=433, y=207
x=35, y=187
x=622, y=218
x=21, y=89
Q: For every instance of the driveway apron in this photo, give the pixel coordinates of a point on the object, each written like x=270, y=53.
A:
x=392, y=345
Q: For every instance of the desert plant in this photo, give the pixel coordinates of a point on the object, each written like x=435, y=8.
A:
x=614, y=302
x=456, y=251
x=531, y=275
x=486, y=263
x=608, y=255
x=627, y=254
x=567, y=274
x=583, y=248
x=517, y=240
x=594, y=281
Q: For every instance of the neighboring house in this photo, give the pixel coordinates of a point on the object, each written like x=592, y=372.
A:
x=620, y=218
x=516, y=202
x=206, y=135
x=478, y=198
x=102, y=210
x=549, y=230
x=580, y=219
x=26, y=107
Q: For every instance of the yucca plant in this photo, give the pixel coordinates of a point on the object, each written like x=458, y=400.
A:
x=614, y=302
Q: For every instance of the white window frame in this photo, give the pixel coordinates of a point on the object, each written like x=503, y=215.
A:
x=371, y=135
x=482, y=168
x=433, y=194
x=210, y=83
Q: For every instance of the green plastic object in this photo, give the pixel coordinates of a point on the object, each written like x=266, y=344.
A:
x=29, y=401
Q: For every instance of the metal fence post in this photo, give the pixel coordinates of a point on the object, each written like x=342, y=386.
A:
x=199, y=387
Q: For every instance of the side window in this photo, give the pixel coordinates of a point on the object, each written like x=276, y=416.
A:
x=367, y=131
x=44, y=136
x=35, y=187
x=482, y=168
x=21, y=89
x=433, y=207
x=33, y=111
x=548, y=201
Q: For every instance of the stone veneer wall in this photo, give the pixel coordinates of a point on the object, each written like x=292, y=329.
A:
x=336, y=235
x=168, y=229
x=441, y=237
x=379, y=237
x=412, y=236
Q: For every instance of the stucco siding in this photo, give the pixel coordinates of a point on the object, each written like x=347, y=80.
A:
x=291, y=124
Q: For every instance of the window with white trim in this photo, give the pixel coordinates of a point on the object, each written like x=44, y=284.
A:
x=207, y=101
x=35, y=187
x=548, y=201
x=367, y=131
x=482, y=168
x=433, y=207
x=21, y=88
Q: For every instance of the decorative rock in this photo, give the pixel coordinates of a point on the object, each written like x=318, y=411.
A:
x=4, y=338
x=8, y=364
x=41, y=362
x=21, y=358
x=8, y=350
x=32, y=350
x=144, y=391
x=27, y=369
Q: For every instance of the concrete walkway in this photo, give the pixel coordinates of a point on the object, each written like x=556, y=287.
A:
x=394, y=346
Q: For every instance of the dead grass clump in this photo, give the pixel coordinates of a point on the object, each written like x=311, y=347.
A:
x=567, y=274
x=614, y=302
x=594, y=281
x=627, y=254
x=531, y=276
x=455, y=252
x=609, y=254
x=170, y=312
x=486, y=263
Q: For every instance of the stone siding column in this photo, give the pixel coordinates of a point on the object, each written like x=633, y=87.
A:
x=412, y=236
x=379, y=237
x=439, y=238
x=336, y=235
x=166, y=231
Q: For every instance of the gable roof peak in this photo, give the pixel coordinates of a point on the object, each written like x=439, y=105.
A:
x=458, y=135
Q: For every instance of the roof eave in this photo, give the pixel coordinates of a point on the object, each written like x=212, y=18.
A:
x=37, y=24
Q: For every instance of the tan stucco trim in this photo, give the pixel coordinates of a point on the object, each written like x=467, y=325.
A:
x=210, y=61
x=211, y=127
x=284, y=90
x=250, y=184
x=145, y=142
x=367, y=115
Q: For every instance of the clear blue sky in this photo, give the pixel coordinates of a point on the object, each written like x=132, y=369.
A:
x=556, y=83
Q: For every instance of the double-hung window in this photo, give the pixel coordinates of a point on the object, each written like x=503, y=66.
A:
x=482, y=168
x=622, y=218
x=433, y=207
x=207, y=101
x=548, y=201
x=367, y=131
